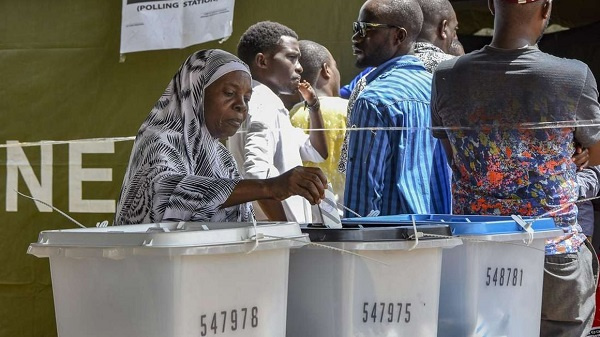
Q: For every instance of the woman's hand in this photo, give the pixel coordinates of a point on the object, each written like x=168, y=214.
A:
x=307, y=182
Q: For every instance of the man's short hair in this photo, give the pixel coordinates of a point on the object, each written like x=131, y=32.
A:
x=261, y=37
x=403, y=13
x=435, y=11
x=312, y=57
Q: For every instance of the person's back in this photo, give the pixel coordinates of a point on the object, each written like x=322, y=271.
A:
x=509, y=167
x=510, y=114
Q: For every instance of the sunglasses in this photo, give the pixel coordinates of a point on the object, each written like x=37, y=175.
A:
x=361, y=28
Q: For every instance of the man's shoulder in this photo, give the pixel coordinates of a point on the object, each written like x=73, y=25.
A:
x=261, y=90
x=264, y=101
x=454, y=63
x=535, y=58
x=449, y=63
x=546, y=60
x=399, y=84
x=565, y=65
x=431, y=55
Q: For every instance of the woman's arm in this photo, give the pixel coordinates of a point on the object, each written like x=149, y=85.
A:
x=307, y=182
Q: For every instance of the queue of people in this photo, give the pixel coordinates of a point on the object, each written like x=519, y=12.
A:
x=436, y=132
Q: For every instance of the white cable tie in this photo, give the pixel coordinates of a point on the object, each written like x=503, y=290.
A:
x=416, y=234
x=527, y=226
x=373, y=213
x=102, y=224
x=256, y=235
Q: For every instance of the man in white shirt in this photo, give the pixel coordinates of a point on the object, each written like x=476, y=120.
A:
x=267, y=143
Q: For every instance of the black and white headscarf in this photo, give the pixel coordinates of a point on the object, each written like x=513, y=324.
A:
x=177, y=170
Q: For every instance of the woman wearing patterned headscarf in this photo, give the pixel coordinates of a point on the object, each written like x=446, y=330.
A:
x=180, y=171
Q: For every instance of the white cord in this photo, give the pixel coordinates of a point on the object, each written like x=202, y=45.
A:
x=473, y=239
x=349, y=210
x=343, y=251
x=54, y=208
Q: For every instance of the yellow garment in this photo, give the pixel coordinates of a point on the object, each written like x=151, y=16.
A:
x=333, y=110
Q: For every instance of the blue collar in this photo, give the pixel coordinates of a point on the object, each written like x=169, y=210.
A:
x=396, y=62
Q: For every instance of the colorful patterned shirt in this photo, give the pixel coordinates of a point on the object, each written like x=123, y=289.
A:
x=502, y=164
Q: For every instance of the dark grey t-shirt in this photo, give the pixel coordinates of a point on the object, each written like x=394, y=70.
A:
x=483, y=86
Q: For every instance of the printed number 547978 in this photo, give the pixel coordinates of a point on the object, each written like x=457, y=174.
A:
x=228, y=320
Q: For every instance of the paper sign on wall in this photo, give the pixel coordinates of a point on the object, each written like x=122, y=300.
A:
x=160, y=24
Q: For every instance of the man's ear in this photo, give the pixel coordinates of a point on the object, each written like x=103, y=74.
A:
x=401, y=35
x=325, y=71
x=260, y=60
x=491, y=7
x=442, y=29
x=546, y=9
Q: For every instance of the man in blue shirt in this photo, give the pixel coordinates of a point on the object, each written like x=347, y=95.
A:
x=395, y=166
x=346, y=90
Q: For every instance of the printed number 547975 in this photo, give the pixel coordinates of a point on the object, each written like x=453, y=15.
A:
x=385, y=312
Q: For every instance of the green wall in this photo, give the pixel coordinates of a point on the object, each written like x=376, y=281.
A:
x=62, y=80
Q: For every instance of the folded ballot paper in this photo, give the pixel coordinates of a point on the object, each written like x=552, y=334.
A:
x=328, y=209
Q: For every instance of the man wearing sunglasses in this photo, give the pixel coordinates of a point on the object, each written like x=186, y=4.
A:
x=434, y=45
x=437, y=41
x=394, y=164
x=511, y=113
